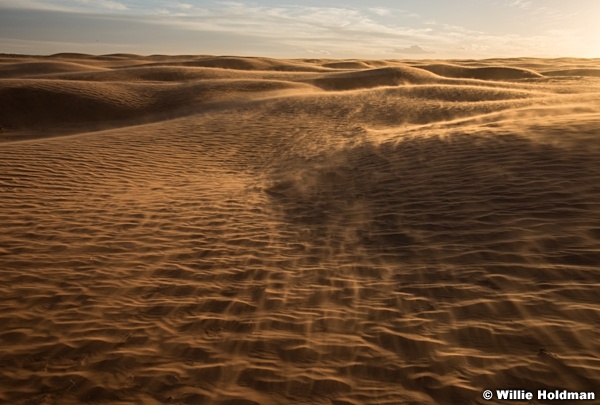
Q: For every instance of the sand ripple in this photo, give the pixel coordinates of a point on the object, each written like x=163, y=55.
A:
x=253, y=231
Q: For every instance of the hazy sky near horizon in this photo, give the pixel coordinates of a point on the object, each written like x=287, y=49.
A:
x=305, y=28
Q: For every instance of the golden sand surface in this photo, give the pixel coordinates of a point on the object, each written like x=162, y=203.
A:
x=251, y=231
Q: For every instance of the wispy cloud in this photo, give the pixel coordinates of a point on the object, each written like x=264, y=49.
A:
x=104, y=4
x=299, y=26
x=522, y=4
x=413, y=50
x=345, y=31
x=381, y=11
x=320, y=52
x=29, y=46
x=183, y=6
x=342, y=31
x=72, y=6
x=36, y=5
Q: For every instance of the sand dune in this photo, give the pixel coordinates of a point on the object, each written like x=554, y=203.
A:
x=157, y=74
x=350, y=65
x=222, y=230
x=33, y=103
x=177, y=74
x=110, y=61
x=574, y=72
x=247, y=63
x=73, y=55
x=483, y=73
x=40, y=68
x=50, y=105
x=387, y=76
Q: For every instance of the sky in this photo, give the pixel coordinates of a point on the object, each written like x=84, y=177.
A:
x=375, y=29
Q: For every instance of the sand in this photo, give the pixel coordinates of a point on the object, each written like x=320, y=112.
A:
x=244, y=231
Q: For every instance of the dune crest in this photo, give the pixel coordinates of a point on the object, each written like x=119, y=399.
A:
x=367, y=78
x=574, y=72
x=24, y=69
x=236, y=230
x=482, y=73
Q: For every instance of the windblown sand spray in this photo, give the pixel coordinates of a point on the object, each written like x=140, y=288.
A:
x=255, y=231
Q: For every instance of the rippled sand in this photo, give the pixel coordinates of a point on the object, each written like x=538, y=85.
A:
x=243, y=231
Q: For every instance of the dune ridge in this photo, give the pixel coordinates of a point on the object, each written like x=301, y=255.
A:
x=25, y=69
x=483, y=73
x=366, y=78
x=235, y=230
x=573, y=72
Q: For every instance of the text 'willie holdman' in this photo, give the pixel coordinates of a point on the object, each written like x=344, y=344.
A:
x=558, y=395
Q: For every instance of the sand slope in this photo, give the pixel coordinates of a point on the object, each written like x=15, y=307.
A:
x=253, y=231
x=483, y=73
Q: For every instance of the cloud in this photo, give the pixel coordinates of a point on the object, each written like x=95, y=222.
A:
x=380, y=11
x=111, y=5
x=413, y=49
x=317, y=52
x=35, y=5
x=184, y=6
x=295, y=22
x=522, y=4
x=104, y=4
x=73, y=6
x=31, y=47
x=286, y=30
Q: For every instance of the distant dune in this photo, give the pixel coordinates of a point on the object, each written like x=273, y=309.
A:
x=350, y=65
x=573, y=72
x=230, y=230
x=25, y=69
x=367, y=78
x=483, y=73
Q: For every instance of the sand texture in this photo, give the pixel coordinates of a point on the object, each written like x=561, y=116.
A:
x=252, y=231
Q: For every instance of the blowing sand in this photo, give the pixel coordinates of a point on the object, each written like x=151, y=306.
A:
x=244, y=231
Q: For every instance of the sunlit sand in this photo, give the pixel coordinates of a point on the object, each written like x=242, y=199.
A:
x=231, y=230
